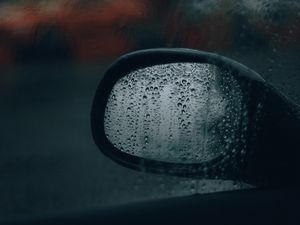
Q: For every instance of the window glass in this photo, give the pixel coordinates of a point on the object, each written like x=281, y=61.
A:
x=54, y=53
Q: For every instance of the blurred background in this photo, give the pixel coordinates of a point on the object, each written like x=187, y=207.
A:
x=53, y=54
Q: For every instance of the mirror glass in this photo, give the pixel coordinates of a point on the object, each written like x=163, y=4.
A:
x=177, y=112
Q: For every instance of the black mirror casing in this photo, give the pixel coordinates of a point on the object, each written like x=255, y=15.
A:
x=271, y=154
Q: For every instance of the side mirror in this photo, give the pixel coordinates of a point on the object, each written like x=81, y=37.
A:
x=196, y=114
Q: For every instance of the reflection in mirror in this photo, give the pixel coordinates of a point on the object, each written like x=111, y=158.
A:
x=178, y=112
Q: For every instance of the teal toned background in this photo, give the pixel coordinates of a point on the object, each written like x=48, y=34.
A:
x=54, y=53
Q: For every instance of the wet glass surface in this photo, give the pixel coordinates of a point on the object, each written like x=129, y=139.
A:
x=54, y=53
x=178, y=112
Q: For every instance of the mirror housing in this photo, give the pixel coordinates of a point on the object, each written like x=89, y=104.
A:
x=268, y=156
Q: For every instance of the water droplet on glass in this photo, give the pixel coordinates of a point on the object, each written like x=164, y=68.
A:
x=193, y=114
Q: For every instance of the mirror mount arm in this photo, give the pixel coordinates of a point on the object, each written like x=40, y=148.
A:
x=274, y=158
